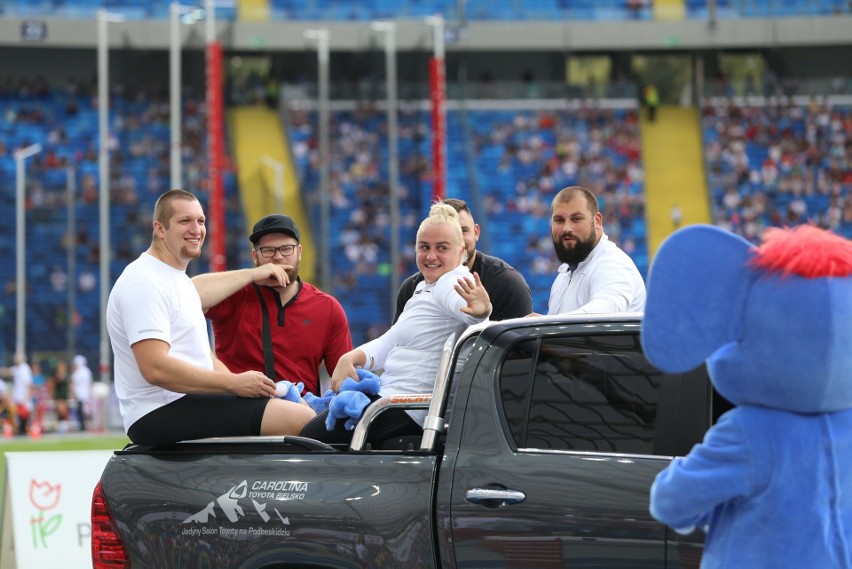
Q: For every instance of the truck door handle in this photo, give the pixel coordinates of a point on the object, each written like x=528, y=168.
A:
x=494, y=498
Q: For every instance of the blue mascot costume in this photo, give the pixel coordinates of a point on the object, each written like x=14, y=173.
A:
x=771, y=484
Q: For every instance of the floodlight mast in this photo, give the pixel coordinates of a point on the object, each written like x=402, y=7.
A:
x=389, y=29
x=175, y=93
x=20, y=244
x=322, y=38
x=104, y=18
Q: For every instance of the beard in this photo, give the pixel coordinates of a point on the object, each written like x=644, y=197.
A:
x=576, y=254
x=188, y=253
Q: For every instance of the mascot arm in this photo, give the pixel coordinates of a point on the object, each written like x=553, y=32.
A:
x=687, y=492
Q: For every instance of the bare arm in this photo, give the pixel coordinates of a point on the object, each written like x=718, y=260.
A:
x=218, y=365
x=346, y=368
x=213, y=288
x=163, y=370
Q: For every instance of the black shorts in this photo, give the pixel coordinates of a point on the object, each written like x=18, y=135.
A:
x=198, y=416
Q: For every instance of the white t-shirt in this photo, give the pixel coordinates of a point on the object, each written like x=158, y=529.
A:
x=410, y=351
x=607, y=281
x=22, y=380
x=81, y=383
x=152, y=300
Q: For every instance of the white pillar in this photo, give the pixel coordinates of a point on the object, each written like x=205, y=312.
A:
x=175, y=94
x=389, y=29
x=103, y=189
x=20, y=247
x=322, y=38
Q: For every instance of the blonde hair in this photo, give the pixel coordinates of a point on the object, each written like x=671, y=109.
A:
x=443, y=213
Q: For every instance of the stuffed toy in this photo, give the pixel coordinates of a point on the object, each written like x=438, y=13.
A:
x=349, y=404
x=352, y=399
x=287, y=390
x=771, y=484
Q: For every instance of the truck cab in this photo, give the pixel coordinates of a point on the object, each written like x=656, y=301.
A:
x=559, y=475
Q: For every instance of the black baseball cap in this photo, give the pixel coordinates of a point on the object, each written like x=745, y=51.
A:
x=274, y=223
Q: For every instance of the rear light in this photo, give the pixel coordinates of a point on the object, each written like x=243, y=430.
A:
x=108, y=551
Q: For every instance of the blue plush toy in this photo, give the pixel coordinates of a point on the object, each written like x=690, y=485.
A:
x=348, y=404
x=772, y=482
x=287, y=390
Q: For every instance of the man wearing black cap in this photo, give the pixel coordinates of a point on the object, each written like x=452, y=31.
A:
x=267, y=318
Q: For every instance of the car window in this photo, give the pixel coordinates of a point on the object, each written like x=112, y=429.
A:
x=598, y=393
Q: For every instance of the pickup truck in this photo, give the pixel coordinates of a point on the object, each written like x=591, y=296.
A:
x=541, y=441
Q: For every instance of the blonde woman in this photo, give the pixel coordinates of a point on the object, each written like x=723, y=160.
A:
x=448, y=300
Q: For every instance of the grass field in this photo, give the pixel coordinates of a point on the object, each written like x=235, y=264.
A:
x=68, y=441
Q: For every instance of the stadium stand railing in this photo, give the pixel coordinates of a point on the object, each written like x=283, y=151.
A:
x=494, y=10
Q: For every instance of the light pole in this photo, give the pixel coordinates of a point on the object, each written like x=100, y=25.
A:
x=71, y=258
x=389, y=29
x=103, y=183
x=175, y=93
x=20, y=241
x=322, y=38
x=278, y=168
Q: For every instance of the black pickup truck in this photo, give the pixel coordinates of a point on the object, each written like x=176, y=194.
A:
x=542, y=438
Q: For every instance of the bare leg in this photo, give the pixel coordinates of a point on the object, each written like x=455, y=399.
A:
x=285, y=417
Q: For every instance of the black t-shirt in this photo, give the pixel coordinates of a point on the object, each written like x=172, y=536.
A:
x=509, y=292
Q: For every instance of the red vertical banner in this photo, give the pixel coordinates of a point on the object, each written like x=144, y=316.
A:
x=215, y=146
x=438, y=95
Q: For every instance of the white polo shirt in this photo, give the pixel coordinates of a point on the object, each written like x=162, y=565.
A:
x=607, y=281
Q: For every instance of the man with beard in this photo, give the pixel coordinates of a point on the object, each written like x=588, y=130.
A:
x=595, y=275
x=509, y=293
x=170, y=386
x=266, y=317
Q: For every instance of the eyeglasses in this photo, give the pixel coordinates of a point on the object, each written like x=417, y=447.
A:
x=285, y=250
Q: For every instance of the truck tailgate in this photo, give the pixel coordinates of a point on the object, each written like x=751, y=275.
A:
x=254, y=509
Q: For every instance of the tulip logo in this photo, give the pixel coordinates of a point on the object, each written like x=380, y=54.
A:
x=44, y=497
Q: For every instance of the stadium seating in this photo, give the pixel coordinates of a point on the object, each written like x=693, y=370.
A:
x=775, y=164
x=67, y=127
x=784, y=163
x=521, y=158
